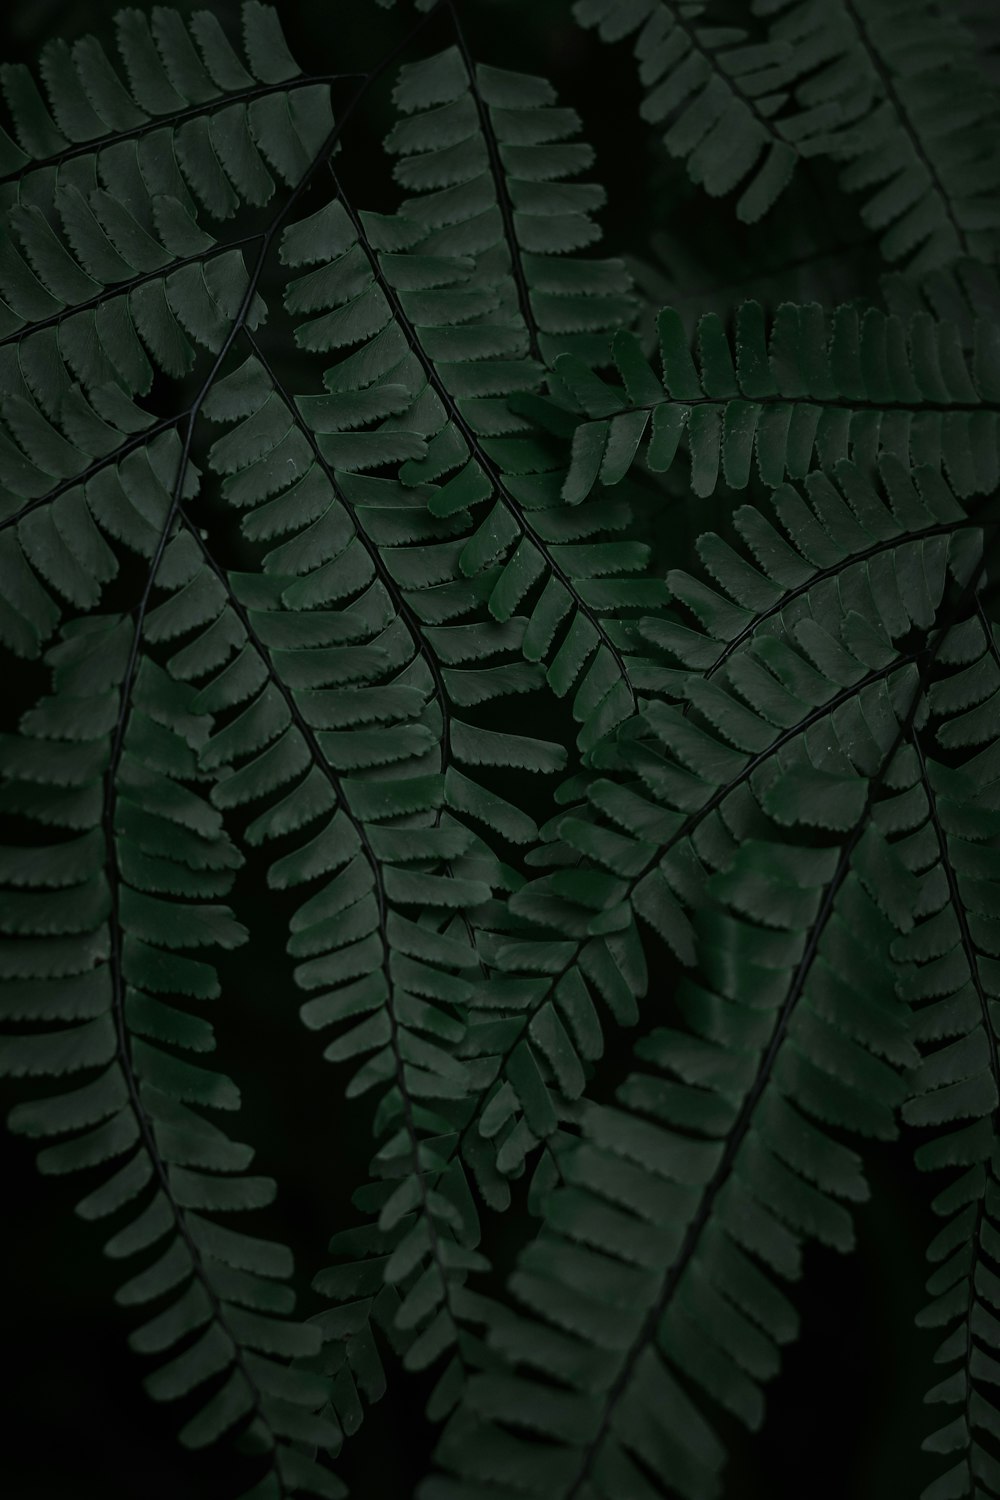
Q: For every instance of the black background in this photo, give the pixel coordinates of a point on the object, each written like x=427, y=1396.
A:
x=844, y=1417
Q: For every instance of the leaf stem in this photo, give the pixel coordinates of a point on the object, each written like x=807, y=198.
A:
x=504, y=202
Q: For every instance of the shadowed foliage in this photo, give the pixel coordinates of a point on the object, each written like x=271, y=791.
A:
x=593, y=703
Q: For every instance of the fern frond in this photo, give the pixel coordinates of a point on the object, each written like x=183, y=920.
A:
x=330, y=530
x=493, y=146
x=428, y=302
x=104, y=255
x=347, y=675
x=981, y=20
x=776, y=675
x=134, y=489
x=812, y=386
x=415, y=310
x=327, y=727
x=861, y=81
x=83, y=466
x=389, y=719
x=721, y=91
x=403, y=1273
x=799, y=260
x=377, y=295
x=926, y=164
x=107, y=277
x=647, y=1277
x=96, y=926
x=648, y=1266
x=950, y=974
x=966, y=294
x=490, y=156
x=183, y=115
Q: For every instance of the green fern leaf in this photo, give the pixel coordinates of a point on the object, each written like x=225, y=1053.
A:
x=949, y=974
x=811, y=389
x=493, y=147
x=97, y=963
x=325, y=532
x=775, y=659
x=721, y=92
x=860, y=81
x=646, y=1275
x=885, y=70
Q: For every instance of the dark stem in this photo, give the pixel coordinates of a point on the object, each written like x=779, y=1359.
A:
x=499, y=176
